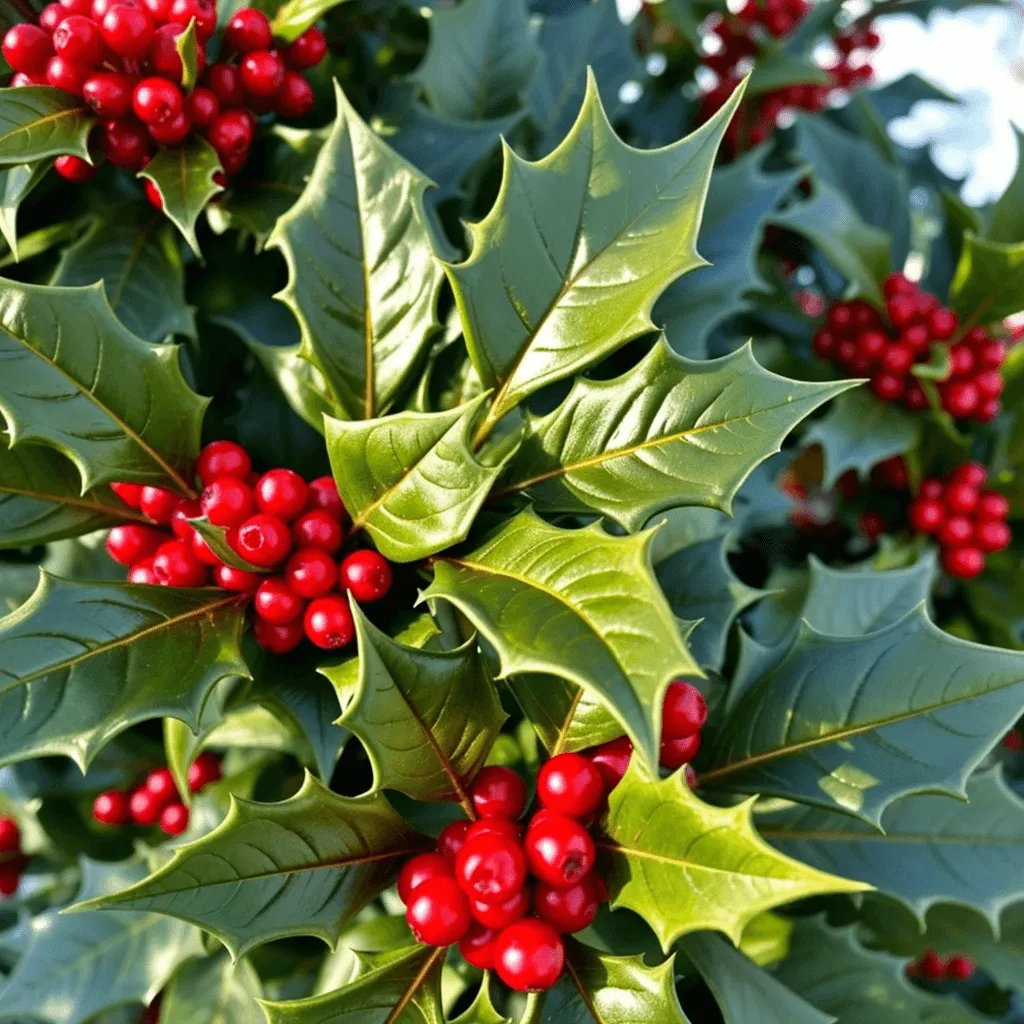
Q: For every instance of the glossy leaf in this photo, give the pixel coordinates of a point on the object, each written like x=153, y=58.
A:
x=427, y=718
x=188, y=51
x=568, y=263
x=686, y=866
x=38, y=122
x=216, y=538
x=16, y=182
x=213, y=991
x=566, y=717
x=295, y=16
x=853, y=723
x=579, y=604
x=987, y=284
x=82, y=662
x=411, y=480
x=76, y=379
x=363, y=281
x=134, y=252
x=304, y=866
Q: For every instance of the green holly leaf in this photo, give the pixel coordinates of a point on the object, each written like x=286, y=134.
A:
x=931, y=850
x=566, y=717
x=480, y=59
x=184, y=178
x=16, y=183
x=1006, y=221
x=482, y=1010
x=304, y=866
x=987, y=285
x=188, y=50
x=363, y=281
x=776, y=69
x=60, y=348
x=746, y=994
x=400, y=986
x=82, y=662
x=134, y=252
x=686, y=866
x=295, y=16
x=74, y=965
x=591, y=36
x=669, y=432
x=853, y=723
x=213, y=991
x=37, y=123
x=568, y=263
x=411, y=479
x=740, y=200
x=597, y=988
x=579, y=604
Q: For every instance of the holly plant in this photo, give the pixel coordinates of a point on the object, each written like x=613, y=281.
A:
x=507, y=517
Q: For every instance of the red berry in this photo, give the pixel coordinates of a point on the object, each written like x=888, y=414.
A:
x=225, y=83
x=1013, y=741
x=323, y=494
x=9, y=881
x=160, y=782
x=872, y=525
x=295, y=98
x=992, y=535
x=158, y=10
x=452, y=839
x=186, y=509
x=823, y=343
x=891, y=473
x=133, y=542
x=142, y=573
x=477, y=946
x=942, y=323
x=932, y=966
x=156, y=101
x=27, y=48
x=567, y=910
x=78, y=39
x=99, y=8
x=991, y=355
x=223, y=458
x=307, y=51
x=277, y=639
x=439, y=912
x=916, y=338
x=10, y=836
x=898, y=284
x=931, y=487
x=872, y=345
x=498, y=792
x=501, y=915
x=328, y=623
x=559, y=850
x=227, y=502
x=963, y=563
x=73, y=168
x=111, y=809
x=685, y=710
x=989, y=383
x=897, y=359
x=988, y=410
x=529, y=956
x=202, y=107
x=500, y=826
x=50, y=17
x=992, y=505
x=902, y=310
x=125, y=143
x=159, y=503
x=678, y=750
x=175, y=565
x=317, y=529
x=248, y=30
x=152, y=193
x=281, y=492
x=204, y=771
x=960, y=398
x=311, y=573
x=974, y=474
x=144, y=807
x=961, y=361
x=927, y=515
x=491, y=868
x=203, y=551
x=170, y=133
x=421, y=869
x=263, y=539
x=367, y=574
x=262, y=73
x=164, y=58
x=65, y=74
x=174, y=819
x=954, y=531
x=238, y=581
x=612, y=759
x=183, y=11
x=960, y=968
x=128, y=31
x=570, y=785
x=276, y=602
x=916, y=397
x=961, y=498
x=887, y=386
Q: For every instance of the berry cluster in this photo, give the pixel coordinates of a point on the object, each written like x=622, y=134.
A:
x=857, y=338
x=121, y=57
x=934, y=968
x=12, y=861
x=274, y=521
x=157, y=800
x=968, y=522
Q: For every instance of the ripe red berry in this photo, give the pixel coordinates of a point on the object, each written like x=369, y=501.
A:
x=501, y=915
x=932, y=488
x=317, y=529
x=612, y=759
x=498, y=792
x=529, y=956
x=367, y=574
x=238, y=581
x=477, y=946
x=961, y=498
x=932, y=966
x=204, y=771
x=223, y=458
x=685, y=710
x=500, y=826
x=156, y=100
x=264, y=540
x=225, y=83
x=559, y=850
x=567, y=910
x=963, y=563
x=421, y=869
x=960, y=398
x=186, y=509
x=78, y=39
x=51, y=16
x=174, y=819
x=991, y=355
x=281, y=492
x=961, y=361
x=678, y=750
x=158, y=10
x=130, y=494
x=99, y=8
x=307, y=51
x=170, y=133
x=262, y=73
x=277, y=639
x=10, y=878
x=65, y=74
x=916, y=338
x=570, y=785
x=158, y=503
x=823, y=343
x=916, y=397
x=205, y=13
x=974, y=474
x=276, y=602
x=111, y=809
x=888, y=386
x=992, y=535
x=992, y=505
x=897, y=359
x=988, y=410
x=227, y=502
x=328, y=623
x=989, y=383
x=942, y=323
x=323, y=494
x=175, y=565
x=898, y=284
x=438, y=913
x=311, y=573
x=872, y=344
x=142, y=573
x=248, y=30
x=295, y=98
x=202, y=107
x=125, y=143
x=133, y=542
x=27, y=48
x=926, y=514
x=452, y=839
x=144, y=807
x=960, y=968
x=203, y=551
x=954, y=531
x=164, y=59
x=160, y=782
x=902, y=310
x=10, y=836
x=128, y=31
x=491, y=868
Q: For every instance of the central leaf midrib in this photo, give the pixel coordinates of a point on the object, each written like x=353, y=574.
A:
x=45, y=119
x=76, y=502
x=414, y=985
x=679, y=862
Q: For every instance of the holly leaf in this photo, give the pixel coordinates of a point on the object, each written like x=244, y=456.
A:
x=776, y=69
x=184, y=178
x=401, y=986
x=591, y=36
x=669, y=432
x=304, y=866
x=216, y=538
x=212, y=991
x=745, y=994
x=1006, y=221
x=686, y=866
x=859, y=431
x=482, y=1010
x=579, y=604
x=188, y=51
x=931, y=850
x=480, y=59
x=295, y=16
x=597, y=988
x=74, y=965
x=16, y=183
x=851, y=724
x=427, y=718
x=133, y=251
x=567, y=265
x=363, y=281
x=566, y=717
x=37, y=123
x=82, y=662
x=987, y=285
x=60, y=347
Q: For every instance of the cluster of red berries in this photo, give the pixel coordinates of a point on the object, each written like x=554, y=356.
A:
x=12, y=861
x=967, y=521
x=932, y=967
x=157, y=800
x=857, y=338
x=121, y=57
x=274, y=521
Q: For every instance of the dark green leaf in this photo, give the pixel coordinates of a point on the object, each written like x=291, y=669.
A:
x=188, y=51
x=295, y=16
x=777, y=69
x=213, y=991
x=38, y=122
x=988, y=285
x=15, y=184
x=1006, y=221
